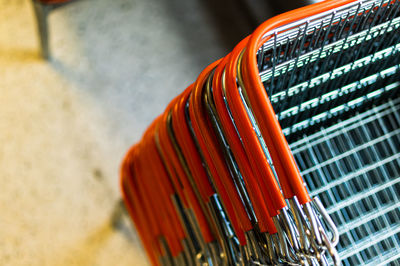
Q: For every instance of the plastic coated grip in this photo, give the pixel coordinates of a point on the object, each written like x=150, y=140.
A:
x=160, y=191
x=252, y=146
x=189, y=149
x=146, y=235
x=262, y=203
x=213, y=156
x=188, y=192
x=261, y=105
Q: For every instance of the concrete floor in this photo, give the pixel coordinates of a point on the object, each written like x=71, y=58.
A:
x=66, y=124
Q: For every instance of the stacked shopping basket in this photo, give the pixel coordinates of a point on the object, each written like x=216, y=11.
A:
x=217, y=179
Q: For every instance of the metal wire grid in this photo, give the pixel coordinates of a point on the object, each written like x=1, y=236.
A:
x=354, y=168
x=319, y=67
x=309, y=40
x=336, y=64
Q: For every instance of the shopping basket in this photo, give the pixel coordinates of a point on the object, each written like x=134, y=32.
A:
x=286, y=151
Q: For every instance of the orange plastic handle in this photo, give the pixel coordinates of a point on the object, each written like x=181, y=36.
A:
x=129, y=165
x=189, y=149
x=223, y=195
x=163, y=148
x=252, y=146
x=139, y=221
x=214, y=158
x=140, y=196
x=165, y=227
x=150, y=202
x=262, y=108
x=159, y=171
x=183, y=178
x=195, y=156
x=263, y=207
x=139, y=218
x=160, y=190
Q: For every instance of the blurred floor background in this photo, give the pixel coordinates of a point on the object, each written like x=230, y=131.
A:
x=65, y=124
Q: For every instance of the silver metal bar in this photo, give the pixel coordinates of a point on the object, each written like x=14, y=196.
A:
x=41, y=13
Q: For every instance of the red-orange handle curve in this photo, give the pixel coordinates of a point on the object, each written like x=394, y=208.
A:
x=262, y=210
x=214, y=157
x=181, y=175
x=163, y=149
x=160, y=191
x=252, y=146
x=189, y=149
x=258, y=97
x=150, y=202
x=140, y=220
x=159, y=171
